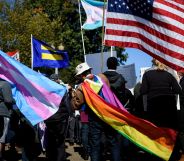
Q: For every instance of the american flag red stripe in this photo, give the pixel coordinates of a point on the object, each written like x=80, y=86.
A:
x=162, y=37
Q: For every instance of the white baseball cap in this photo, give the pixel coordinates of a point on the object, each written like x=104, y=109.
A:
x=82, y=68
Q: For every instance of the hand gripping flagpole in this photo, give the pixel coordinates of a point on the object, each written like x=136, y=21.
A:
x=82, y=32
x=103, y=30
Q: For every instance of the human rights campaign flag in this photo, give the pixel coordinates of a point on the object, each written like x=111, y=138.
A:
x=36, y=96
x=46, y=56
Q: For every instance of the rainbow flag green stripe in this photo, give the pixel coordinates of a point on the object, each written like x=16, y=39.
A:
x=158, y=141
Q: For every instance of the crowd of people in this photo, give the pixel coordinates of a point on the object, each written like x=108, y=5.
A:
x=155, y=98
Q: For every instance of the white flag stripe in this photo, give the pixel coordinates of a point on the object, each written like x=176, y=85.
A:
x=169, y=21
x=148, y=36
x=169, y=9
x=146, y=46
x=160, y=29
x=175, y=3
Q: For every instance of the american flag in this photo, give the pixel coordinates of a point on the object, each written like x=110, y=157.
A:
x=153, y=26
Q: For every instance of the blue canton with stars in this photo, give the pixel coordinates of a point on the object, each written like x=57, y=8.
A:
x=141, y=8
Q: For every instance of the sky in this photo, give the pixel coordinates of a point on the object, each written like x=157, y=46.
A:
x=139, y=58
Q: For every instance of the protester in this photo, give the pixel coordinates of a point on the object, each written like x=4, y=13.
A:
x=139, y=106
x=85, y=133
x=77, y=127
x=161, y=89
x=117, y=85
x=6, y=102
x=56, y=128
x=116, y=80
x=71, y=129
x=96, y=126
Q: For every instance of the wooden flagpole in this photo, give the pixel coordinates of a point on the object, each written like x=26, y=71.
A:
x=103, y=31
x=82, y=31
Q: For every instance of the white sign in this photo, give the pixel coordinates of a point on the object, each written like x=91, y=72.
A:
x=95, y=61
x=128, y=72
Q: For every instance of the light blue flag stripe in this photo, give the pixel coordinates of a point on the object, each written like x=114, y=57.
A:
x=94, y=13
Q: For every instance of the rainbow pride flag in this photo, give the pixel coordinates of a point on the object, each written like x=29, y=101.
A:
x=36, y=96
x=158, y=141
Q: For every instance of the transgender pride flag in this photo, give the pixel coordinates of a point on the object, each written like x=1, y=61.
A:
x=36, y=96
x=94, y=13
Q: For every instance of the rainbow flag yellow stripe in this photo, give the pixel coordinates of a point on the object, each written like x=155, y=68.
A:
x=158, y=141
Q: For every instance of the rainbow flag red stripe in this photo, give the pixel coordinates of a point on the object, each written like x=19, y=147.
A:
x=158, y=141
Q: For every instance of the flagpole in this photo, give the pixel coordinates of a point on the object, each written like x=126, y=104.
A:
x=82, y=32
x=103, y=30
x=31, y=51
x=111, y=51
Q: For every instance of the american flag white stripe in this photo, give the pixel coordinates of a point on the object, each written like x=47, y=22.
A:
x=162, y=37
x=147, y=47
x=172, y=2
x=149, y=36
x=146, y=23
x=181, y=5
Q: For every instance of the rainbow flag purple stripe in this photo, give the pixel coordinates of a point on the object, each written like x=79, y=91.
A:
x=36, y=96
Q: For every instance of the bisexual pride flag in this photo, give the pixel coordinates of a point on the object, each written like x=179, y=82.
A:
x=36, y=96
x=46, y=56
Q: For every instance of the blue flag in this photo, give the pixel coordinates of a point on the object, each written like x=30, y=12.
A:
x=46, y=56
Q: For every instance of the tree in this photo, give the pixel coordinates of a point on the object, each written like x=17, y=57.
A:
x=18, y=25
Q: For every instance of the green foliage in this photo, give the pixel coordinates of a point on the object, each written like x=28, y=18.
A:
x=56, y=22
x=18, y=26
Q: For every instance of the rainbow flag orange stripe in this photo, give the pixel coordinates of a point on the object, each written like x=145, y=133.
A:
x=158, y=141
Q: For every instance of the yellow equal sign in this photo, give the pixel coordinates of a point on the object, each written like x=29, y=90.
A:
x=47, y=56
x=47, y=48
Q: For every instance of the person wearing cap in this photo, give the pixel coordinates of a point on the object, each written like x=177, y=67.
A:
x=96, y=126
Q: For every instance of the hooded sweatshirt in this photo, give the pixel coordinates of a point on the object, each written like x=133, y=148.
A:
x=117, y=83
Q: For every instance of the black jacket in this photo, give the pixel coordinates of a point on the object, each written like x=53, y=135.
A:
x=117, y=83
x=63, y=112
x=159, y=82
